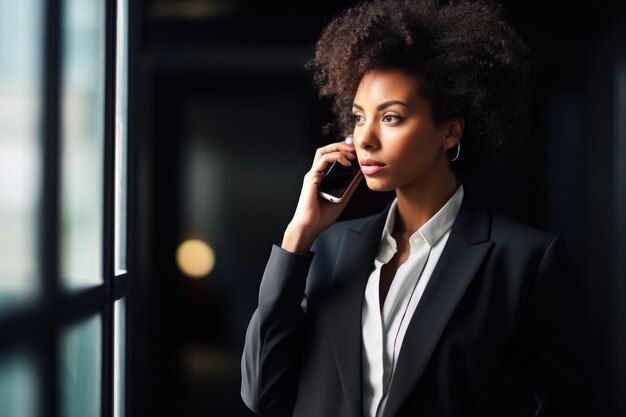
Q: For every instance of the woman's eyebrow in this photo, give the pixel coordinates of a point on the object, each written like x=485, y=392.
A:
x=383, y=105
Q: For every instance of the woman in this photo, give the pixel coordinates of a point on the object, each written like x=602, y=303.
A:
x=417, y=310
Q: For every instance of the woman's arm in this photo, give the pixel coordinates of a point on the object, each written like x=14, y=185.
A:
x=271, y=354
x=273, y=348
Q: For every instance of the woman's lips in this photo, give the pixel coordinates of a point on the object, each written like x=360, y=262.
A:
x=371, y=167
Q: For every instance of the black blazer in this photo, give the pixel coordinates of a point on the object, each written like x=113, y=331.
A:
x=499, y=289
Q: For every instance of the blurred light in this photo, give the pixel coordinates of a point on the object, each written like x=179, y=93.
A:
x=195, y=258
x=192, y=9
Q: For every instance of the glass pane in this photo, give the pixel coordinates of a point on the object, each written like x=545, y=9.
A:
x=80, y=371
x=20, y=155
x=82, y=94
x=19, y=396
x=119, y=358
x=121, y=109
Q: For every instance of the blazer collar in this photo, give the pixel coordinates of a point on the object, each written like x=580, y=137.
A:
x=468, y=244
x=355, y=260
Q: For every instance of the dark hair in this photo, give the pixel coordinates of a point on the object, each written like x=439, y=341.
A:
x=469, y=62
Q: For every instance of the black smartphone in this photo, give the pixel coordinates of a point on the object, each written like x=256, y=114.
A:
x=338, y=179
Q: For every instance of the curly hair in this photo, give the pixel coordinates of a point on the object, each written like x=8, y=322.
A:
x=468, y=59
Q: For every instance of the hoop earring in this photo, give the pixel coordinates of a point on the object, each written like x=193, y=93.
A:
x=458, y=152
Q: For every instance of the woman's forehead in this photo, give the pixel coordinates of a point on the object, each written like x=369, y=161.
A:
x=387, y=85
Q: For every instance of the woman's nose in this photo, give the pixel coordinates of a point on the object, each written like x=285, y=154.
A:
x=365, y=137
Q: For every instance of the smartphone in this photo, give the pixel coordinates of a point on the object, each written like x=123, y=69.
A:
x=338, y=179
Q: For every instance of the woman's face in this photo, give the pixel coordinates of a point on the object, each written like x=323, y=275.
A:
x=397, y=143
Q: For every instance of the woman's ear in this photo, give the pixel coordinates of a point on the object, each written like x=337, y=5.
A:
x=455, y=132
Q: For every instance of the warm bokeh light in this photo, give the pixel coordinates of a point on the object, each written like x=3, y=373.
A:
x=195, y=258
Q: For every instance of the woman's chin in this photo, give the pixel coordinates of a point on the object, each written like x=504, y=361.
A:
x=378, y=185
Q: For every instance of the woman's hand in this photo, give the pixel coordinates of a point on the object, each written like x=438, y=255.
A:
x=314, y=214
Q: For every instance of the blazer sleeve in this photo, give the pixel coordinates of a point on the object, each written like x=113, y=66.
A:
x=552, y=348
x=269, y=365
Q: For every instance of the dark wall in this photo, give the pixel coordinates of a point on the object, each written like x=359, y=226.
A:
x=228, y=126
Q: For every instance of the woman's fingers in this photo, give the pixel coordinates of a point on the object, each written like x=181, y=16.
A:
x=314, y=214
x=325, y=160
x=333, y=148
x=329, y=158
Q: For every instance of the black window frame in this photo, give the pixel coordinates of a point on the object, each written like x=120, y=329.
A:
x=36, y=327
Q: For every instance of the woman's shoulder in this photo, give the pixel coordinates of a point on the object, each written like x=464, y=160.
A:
x=477, y=217
x=506, y=228
x=519, y=239
x=358, y=224
x=331, y=238
x=372, y=223
x=512, y=242
x=482, y=224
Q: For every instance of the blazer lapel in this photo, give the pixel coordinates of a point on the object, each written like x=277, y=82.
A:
x=467, y=246
x=355, y=261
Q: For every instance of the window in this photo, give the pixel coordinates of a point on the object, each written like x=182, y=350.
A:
x=21, y=94
x=63, y=207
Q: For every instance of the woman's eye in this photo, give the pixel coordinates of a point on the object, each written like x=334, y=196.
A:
x=357, y=118
x=391, y=118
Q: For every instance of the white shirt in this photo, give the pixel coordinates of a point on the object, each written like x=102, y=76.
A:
x=383, y=333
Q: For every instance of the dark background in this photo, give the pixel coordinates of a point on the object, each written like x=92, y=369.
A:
x=227, y=123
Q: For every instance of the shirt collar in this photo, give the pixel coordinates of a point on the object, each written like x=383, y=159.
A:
x=430, y=232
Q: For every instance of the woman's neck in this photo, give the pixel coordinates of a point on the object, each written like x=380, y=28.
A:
x=417, y=203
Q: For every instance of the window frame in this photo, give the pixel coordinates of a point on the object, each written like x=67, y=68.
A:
x=36, y=327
